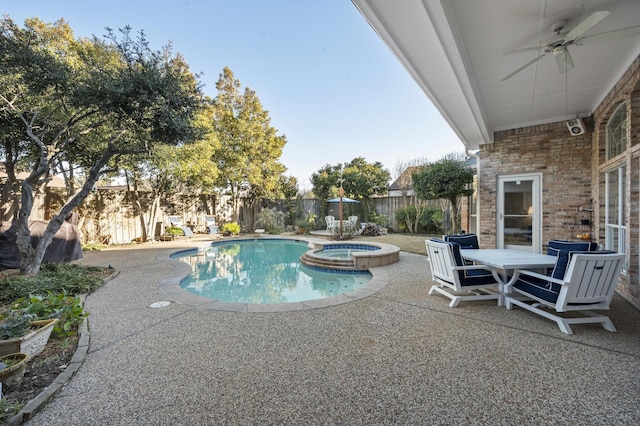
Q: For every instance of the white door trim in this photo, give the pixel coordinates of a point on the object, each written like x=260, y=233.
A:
x=536, y=225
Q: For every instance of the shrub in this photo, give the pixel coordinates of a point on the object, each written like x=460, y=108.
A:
x=231, y=227
x=53, y=277
x=174, y=231
x=430, y=220
x=271, y=220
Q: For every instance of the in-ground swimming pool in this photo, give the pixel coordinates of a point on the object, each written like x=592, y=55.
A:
x=262, y=271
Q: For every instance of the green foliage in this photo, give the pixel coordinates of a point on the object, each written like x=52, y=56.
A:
x=68, y=310
x=429, y=220
x=444, y=179
x=271, y=220
x=230, y=227
x=381, y=220
x=360, y=181
x=15, y=324
x=93, y=247
x=250, y=148
x=84, y=102
x=53, y=277
x=174, y=231
x=449, y=178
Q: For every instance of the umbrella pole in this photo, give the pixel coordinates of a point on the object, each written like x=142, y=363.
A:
x=341, y=194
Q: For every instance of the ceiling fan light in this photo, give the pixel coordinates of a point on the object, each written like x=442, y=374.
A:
x=563, y=59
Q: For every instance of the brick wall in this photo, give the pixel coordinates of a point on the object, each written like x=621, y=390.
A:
x=564, y=162
x=572, y=170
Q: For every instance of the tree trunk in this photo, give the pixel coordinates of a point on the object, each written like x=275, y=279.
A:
x=32, y=258
x=454, y=214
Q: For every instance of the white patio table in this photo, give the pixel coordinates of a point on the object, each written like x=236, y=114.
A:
x=504, y=262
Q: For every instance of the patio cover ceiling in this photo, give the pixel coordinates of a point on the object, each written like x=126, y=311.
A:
x=456, y=50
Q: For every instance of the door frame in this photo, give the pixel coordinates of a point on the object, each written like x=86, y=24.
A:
x=536, y=204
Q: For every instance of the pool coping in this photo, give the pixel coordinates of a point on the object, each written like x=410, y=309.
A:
x=170, y=286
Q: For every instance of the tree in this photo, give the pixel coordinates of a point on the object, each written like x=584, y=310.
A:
x=250, y=146
x=86, y=102
x=360, y=180
x=412, y=209
x=448, y=178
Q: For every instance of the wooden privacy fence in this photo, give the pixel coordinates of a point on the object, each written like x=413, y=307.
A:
x=110, y=216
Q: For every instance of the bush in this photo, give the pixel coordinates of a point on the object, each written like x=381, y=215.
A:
x=174, y=231
x=231, y=228
x=53, y=277
x=430, y=220
x=271, y=220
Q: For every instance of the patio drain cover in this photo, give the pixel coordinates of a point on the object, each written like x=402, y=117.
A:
x=162, y=304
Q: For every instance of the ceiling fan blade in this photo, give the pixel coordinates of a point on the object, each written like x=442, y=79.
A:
x=586, y=24
x=610, y=35
x=563, y=59
x=523, y=67
x=525, y=50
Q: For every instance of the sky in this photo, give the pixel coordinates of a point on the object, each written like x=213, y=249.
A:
x=330, y=84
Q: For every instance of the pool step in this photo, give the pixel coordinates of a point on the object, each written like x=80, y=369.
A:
x=328, y=263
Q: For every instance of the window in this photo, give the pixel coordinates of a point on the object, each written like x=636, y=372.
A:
x=473, y=200
x=616, y=231
x=617, y=132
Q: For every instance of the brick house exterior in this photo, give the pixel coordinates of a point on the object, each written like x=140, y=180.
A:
x=573, y=172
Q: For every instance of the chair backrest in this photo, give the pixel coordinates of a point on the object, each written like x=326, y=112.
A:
x=175, y=221
x=442, y=260
x=210, y=220
x=466, y=241
x=592, y=279
x=329, y=220
x=562, y=248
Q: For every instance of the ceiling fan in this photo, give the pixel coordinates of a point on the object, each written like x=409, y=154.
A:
x=559, y=44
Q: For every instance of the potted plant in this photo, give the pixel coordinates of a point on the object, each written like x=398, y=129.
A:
x=20, y=332
x=301, y=226
x=12, y=368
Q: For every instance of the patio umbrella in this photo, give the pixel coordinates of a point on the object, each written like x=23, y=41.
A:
x=344, y=200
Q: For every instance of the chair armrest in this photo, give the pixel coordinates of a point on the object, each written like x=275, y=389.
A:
x=472, y=267
x=539, y=276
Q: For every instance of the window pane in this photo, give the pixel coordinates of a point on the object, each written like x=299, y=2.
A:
x=622, y=190
x=612, y=197
x=617, y=132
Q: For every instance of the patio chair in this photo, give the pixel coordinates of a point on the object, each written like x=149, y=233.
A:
x=454, y=276
x=210, y=223
x=331, y=223
x=588, y=283
x=562, y=248
x=175, y=221
x=351, y=224
x=466, y=241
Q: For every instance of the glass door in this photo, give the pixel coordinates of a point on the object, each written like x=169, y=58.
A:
x=518, y=212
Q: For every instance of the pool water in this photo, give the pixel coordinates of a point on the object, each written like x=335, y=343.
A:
x=262, y=271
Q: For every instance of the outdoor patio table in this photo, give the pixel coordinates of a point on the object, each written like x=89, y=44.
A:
x=503, y=263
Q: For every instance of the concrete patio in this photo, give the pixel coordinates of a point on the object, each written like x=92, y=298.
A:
x=398, y=356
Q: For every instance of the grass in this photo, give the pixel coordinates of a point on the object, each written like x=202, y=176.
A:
x=412, y=243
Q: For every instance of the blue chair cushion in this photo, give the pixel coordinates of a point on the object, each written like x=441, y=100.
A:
x=562, y=249
x=538, y=287
x=466, y=241
x=470, y=277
